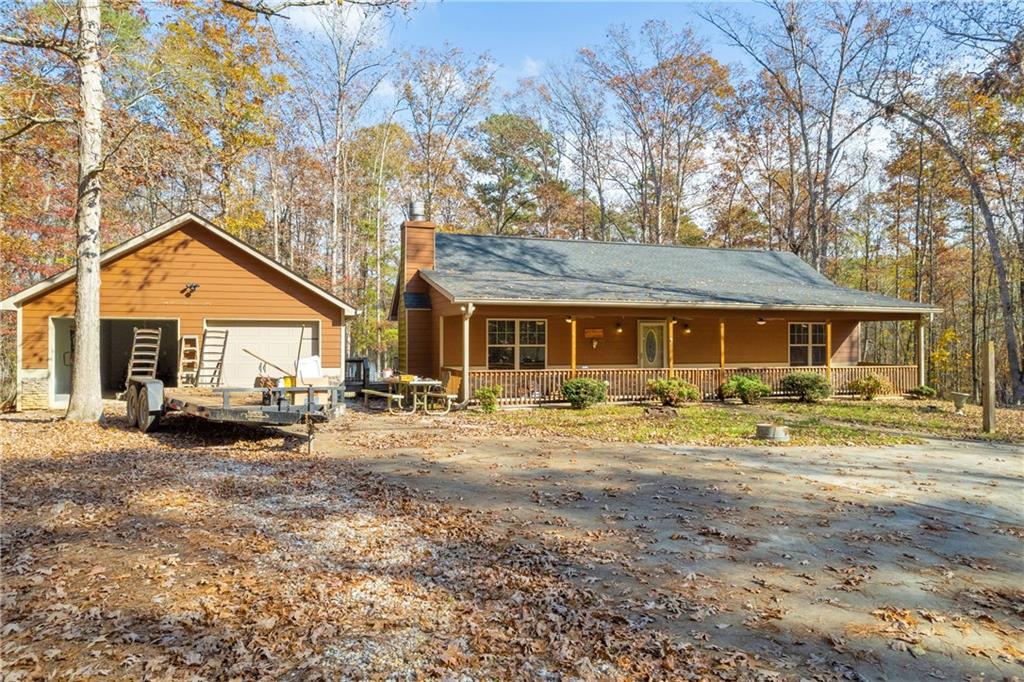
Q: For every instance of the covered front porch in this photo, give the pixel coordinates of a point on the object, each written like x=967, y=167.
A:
x=531, y=351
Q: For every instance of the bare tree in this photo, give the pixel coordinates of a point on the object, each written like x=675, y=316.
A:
x=812, y=52
x=578, y=119
x=910, y=78
x=86, y=401
x=442, y=91
x=350, y=66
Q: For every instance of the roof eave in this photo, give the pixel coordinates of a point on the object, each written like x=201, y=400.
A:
x=688, y=304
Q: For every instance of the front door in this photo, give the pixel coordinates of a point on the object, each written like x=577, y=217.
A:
x=651, y=344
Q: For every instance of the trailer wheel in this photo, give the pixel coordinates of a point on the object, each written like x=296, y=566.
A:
x=131, y=399
x=143, y=419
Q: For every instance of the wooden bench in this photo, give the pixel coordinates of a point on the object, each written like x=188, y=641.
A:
x=390, y=398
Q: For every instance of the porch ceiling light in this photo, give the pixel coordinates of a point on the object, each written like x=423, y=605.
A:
x=686, y=329
x=618, y=327
x=761, y=321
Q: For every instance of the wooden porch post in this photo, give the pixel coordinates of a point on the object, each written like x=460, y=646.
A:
x=671, y=323
x=922, y=377
x=440, y=347
x=721, y=351
x=988, y=389
x=572, y=351
x=467, y=312
x=828, y=350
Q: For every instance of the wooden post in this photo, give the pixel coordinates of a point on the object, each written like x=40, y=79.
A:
x=828, y=350
x=467, y=312
x=988, y=389
x=721, y=352
x=671, y=323
x=440, y=347
x=572, y=351
x=922, y=377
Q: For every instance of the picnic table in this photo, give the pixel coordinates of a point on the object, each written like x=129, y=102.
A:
x=416, y=391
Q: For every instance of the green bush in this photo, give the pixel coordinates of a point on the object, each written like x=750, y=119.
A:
x=673, y=391
x=746, y=387
x=582, y=392
x=488, y=396
x=809, y=387
x=922, y=392
x=870, y=385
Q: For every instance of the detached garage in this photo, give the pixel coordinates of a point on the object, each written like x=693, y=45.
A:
x=246, y=313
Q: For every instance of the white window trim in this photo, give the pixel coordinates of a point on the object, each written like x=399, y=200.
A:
x=516, y=346
x=810, y=345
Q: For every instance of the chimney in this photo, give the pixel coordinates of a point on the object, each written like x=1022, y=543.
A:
x=417, y=247
x=417, y=253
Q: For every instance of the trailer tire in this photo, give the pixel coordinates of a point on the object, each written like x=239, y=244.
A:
x=131, y=399
x=144, y=420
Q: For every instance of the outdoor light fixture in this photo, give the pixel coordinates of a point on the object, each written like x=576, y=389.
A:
x=190, y=289
x=761, y=321
x=618, y=327
x=686, y=329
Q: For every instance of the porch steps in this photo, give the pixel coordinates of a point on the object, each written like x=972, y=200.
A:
x=211, y=357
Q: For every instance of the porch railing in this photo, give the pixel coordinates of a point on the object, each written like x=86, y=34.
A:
x=527, y=387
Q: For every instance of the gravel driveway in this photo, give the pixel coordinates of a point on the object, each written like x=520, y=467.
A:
x=884, y=563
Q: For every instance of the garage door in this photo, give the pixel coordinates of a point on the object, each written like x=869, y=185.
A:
x=277, y=342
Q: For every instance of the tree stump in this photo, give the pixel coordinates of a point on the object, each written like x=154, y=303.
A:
x=773, y=432
x=660, y=412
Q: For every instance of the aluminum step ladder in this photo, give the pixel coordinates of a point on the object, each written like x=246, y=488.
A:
x=211, y=357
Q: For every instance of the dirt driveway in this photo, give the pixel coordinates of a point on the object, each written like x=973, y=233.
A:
x=893, y=563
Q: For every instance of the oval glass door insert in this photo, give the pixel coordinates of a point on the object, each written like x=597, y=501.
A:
x=651, y=346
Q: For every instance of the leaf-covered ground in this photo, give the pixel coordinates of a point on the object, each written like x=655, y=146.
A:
x=204, y=552
x=467, y=548
x=920, y=417
x=701, y=424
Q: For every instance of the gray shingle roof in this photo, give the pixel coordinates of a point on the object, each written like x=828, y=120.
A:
x=482, y=268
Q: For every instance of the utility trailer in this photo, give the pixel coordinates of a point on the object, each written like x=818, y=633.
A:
x=147, y=401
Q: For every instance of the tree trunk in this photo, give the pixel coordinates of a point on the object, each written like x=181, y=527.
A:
x=86, y=403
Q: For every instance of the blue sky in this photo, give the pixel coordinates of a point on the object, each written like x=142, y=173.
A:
x=523, y=36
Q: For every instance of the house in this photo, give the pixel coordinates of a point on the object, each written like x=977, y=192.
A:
x=200, y=286
x=528, y=314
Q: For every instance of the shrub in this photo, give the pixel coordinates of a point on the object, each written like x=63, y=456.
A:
x=807, y=386
x=746, y=387
x=870, y=385
x=582, y=392
x=922, y=392
x=488, y=396
x=673, y=391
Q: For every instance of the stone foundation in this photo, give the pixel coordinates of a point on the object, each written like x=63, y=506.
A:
x=35, y=390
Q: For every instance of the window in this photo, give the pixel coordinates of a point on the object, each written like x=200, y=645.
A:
x=807, y=344
x=516, y=344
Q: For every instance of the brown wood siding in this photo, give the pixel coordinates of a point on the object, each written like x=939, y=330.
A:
x=418, y=253
x=147, y=283
x=746, y=342
x=845, y=342
x=420, y=360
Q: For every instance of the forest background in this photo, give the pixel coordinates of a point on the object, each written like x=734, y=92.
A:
x=883, y=143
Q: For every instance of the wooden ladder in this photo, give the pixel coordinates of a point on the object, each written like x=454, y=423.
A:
x=145, y=354
x=188, y=360
x=211, y=357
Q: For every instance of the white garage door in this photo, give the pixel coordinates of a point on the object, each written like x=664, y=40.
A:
x=276, y=342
